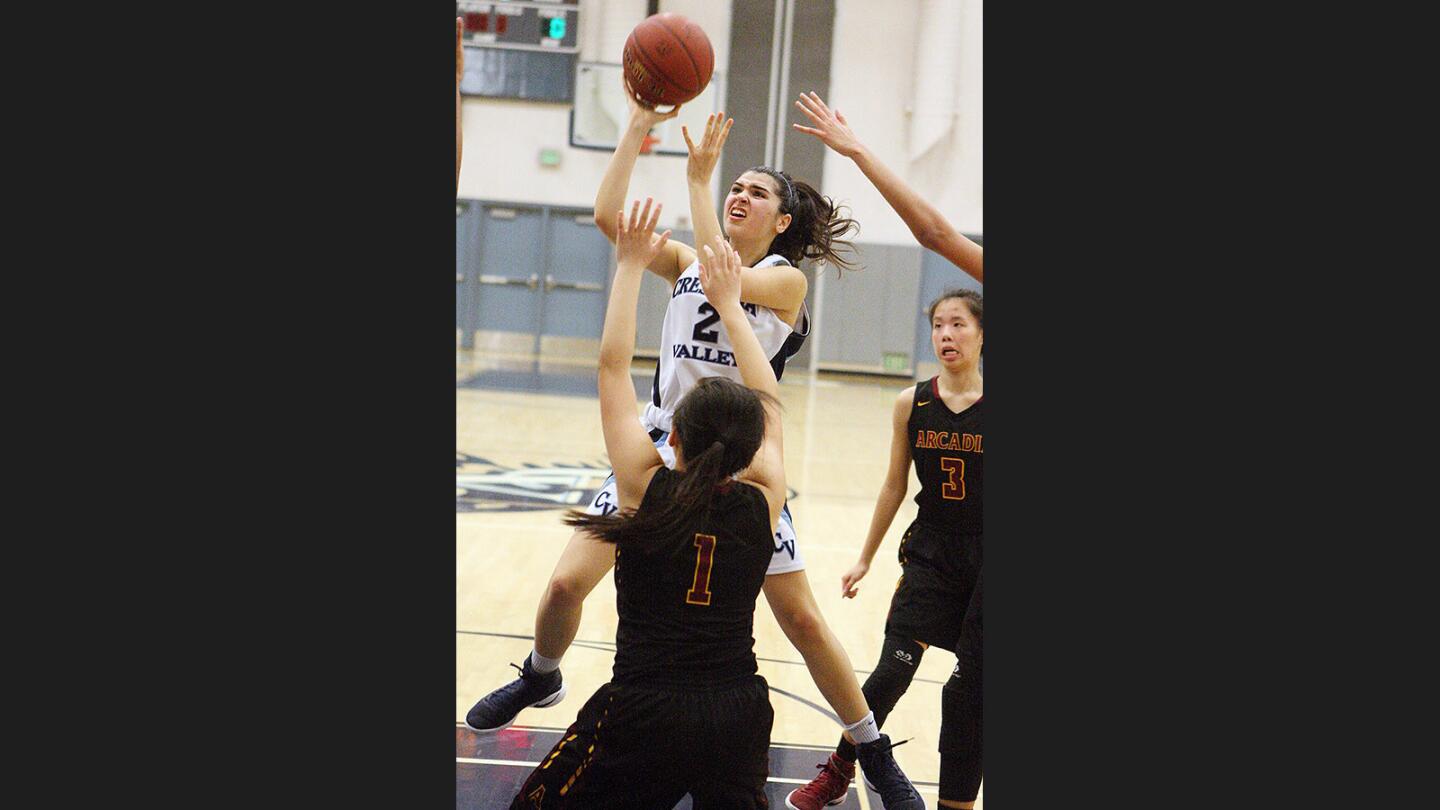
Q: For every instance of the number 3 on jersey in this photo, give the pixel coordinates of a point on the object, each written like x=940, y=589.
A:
x=704, y=557
x=954, y=489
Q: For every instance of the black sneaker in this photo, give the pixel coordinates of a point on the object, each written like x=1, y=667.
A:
x=497, y=710
x=884, y=776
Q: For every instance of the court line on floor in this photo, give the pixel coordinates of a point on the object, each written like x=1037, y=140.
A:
x=783, y=780
x=790, y=746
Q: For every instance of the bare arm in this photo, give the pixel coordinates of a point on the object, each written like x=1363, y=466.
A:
x=924, y=220
x=459, y=74
x=613, y=186
x=720, y=278
x=698, y=170
x=892, y=492
x=632, y=455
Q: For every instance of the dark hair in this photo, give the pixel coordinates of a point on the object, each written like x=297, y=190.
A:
x=719, y=424
x=816, y=224
x=972, y=299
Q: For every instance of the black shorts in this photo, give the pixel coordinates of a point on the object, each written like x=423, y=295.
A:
x=939, y=572
x=644, y=748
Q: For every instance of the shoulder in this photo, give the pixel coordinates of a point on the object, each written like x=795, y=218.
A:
x=905, y=404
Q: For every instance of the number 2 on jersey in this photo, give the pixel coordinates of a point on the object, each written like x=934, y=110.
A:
x=700, y=332
x=704, y=556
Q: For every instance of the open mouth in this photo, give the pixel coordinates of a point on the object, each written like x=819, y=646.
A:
x=949, y=352
x=736, y=214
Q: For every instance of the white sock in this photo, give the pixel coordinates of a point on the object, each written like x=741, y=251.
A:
x=865, y=731
x=542, y=665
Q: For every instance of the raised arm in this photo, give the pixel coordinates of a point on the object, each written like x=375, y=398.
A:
x=613, y=186
x=892, y=492
x=698, y=170
x=924, y=220
x=459, y=74
x=720, y=278
x=632, y=455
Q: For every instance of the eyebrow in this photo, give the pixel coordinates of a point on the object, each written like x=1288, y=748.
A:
x=760, y=186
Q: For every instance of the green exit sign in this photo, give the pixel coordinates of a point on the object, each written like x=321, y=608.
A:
x=557, y=27
x=894, y=362
x=549, y=157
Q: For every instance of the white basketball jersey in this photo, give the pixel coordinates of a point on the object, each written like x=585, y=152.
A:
x=694, y=345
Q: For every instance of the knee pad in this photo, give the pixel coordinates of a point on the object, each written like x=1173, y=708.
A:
x=961, y=732
x=959, y=778
x=898, y=659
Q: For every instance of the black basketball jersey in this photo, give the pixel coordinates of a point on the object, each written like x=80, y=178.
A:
x=687, y=602
x=948, y=454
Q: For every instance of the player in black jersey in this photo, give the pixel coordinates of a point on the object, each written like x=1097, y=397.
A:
x=937, y=426
x=685, y=710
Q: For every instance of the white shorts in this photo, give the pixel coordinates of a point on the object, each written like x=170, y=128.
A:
x=787, y=553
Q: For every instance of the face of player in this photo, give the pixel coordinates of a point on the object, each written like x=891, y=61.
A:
x=956, y=335
x=752, y=209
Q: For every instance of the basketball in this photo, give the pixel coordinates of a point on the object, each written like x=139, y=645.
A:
x=667, y=59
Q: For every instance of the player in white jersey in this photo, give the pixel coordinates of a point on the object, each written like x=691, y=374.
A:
x=773, y=222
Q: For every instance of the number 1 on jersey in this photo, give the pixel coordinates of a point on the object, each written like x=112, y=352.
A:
x=704, y=556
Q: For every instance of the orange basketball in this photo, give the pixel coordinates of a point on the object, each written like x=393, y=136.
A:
x=667, y=59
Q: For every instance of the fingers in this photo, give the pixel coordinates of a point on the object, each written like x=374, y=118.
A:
x=807, y=130
x=664, y=237
x=689, y=144
x=814, y=116
x=725, y=133
x=619, y=223
x=654, y=218
x=634, y=209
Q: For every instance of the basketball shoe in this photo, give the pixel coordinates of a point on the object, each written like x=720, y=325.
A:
x=497, y=710
x=827, y=789
x=884, y=776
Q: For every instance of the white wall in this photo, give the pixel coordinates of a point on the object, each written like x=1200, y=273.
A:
x=872, y=83
x=503, y=139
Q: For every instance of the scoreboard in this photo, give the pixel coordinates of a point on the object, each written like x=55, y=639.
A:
x=527, y=25
x=520, y=49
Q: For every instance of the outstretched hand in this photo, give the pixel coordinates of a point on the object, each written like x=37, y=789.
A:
x=637, y=244
x=642, y=112
x=830, y=126
x=704, y=157
x=720, y=273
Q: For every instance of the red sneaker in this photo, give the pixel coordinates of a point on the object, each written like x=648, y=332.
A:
x=827, y=789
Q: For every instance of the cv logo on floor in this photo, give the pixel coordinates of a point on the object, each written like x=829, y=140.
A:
x=485, y=486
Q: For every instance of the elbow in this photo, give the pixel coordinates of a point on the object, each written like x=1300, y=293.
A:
x=606, y=225
x=933, y=235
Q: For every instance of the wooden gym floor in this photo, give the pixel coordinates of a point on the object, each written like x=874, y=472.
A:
x=528, y=445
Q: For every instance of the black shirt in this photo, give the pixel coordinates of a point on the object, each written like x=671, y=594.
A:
x=687, y=601
x=948, y=454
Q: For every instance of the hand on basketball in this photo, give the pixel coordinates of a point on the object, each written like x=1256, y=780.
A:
x=704, y=157
x=720, y=273
x=642, y=113
x=637, y=243
x=459, y=51
x=830, y=126
x=851, y=578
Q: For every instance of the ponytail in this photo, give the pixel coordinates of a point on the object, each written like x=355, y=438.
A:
x=816, y=224
x=724, y=418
